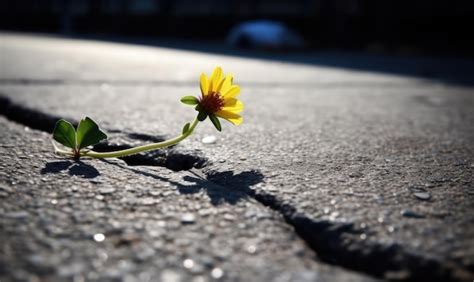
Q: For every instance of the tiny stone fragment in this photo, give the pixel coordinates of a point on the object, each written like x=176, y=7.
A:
x=422, y=195
x=188, y=218
x=209, y=139
x=99, y=237
x=188, y=263
x=217, y=273
x=106, y=190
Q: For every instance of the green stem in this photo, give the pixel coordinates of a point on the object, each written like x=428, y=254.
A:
x=144, y=148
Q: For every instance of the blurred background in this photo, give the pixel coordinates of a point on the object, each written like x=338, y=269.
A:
x=406, y=27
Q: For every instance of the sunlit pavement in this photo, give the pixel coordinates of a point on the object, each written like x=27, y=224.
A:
x=340, y=172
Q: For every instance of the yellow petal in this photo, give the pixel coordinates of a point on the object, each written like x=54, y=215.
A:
x=204, y=84
x=233, y=105
x=219, y=86
x=216, y=78
x=233, y=91
x=227, y=83
x=234, y=118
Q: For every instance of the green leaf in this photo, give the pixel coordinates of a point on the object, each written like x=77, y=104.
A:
x=88, y=133
x=186, y=128
x=65, y=134
x=189, y=100
x=216, y=122
x=202, y=115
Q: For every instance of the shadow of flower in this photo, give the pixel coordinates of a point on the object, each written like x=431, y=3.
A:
x=74, y=168
x=221, y=187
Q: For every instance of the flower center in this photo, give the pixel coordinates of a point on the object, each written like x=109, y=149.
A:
x=212, y=102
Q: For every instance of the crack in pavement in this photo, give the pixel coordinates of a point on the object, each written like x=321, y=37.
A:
x=168, y=157
x=337, y=243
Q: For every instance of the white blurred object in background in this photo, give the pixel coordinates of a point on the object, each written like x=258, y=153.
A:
x=264, y=34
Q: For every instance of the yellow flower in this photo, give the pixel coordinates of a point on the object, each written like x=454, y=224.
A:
x=219, y=96
x=218, y=99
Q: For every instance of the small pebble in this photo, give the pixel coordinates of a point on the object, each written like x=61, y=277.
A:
x=188, y=263
x=188, y=218
x=99, y=237
x=229, y=217
x=209, y=139
x=355, y=174
x=217, y=273
x=251, y=249
x=106, y=190
x=422, y=195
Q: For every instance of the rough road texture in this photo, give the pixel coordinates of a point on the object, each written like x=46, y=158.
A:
x=157, y=224
x=368, y=171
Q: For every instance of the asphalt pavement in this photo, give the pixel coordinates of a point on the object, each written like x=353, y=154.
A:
x=339, y=172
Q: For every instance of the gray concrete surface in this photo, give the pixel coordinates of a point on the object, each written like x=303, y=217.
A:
x=372, y=171
x=155, y=224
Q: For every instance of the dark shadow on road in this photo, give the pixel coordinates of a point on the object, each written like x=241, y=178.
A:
x=243, y=180
x=217, y=192
x=55, y=167
x=74, y=168
x=227, y=180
